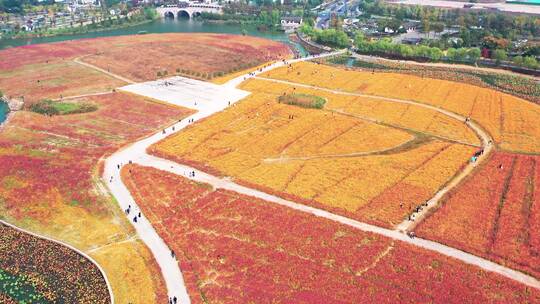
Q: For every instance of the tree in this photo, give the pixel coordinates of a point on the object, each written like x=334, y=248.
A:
x=499, y=55
x=461, y=54
x=435, y=54
x=451, y=53
x=438, y=27
x=530, y=62
x=474, y=54
x=518, y=60
x=405, y=50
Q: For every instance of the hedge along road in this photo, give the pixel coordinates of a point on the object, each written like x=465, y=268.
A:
x=136, y=153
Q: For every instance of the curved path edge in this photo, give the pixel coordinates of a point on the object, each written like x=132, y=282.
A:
x=432, y=203
x=109, y=288
x=224, y=183
x=136, y=153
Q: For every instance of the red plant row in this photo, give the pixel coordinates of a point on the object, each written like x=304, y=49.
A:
x=234, y=248
x=495, y=213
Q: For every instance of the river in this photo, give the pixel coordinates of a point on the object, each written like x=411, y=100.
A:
x=161, y=26
x=3, y=111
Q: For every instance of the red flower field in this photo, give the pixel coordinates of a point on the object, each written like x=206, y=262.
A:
x=232, y=247
x=49, y=71
x=49, y=181
x=495, y=213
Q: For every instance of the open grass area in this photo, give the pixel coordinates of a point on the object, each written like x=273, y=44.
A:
x=51, y=184
x=232, y=246
x=340, y=161
x=510, y=120
x=505, y=194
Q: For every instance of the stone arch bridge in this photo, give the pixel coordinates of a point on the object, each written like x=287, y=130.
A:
x=189, y=11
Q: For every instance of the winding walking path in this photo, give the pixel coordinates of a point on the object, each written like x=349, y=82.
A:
x=487, y=145
x=136, y=153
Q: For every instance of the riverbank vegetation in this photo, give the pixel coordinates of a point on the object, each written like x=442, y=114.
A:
x=386, y=48
x=329, y=37
x=520, y=86
x=145, y=15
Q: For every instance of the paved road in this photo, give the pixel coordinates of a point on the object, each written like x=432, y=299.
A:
x=136, y=153
x=486, y=139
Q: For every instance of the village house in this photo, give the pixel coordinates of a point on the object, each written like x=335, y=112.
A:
x=290, y=24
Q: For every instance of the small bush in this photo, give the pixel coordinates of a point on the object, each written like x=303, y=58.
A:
x=51, y=108
x=303, y=100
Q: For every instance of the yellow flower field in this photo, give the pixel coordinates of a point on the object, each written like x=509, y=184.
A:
x=410, y=117
x=513, y=122
x=340, y=158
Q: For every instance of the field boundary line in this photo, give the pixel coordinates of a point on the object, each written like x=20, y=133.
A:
x=136, y=153
x=227, y=184
x=88, y=65
x=433, y=203
x=84, y=95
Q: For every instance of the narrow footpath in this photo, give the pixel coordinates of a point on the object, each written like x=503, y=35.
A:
x=136, y=153
x=486, y=139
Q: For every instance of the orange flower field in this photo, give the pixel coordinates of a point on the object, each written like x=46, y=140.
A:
x=505, y=195
x=342, y=161
x=232, y=246
x=511, y=121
